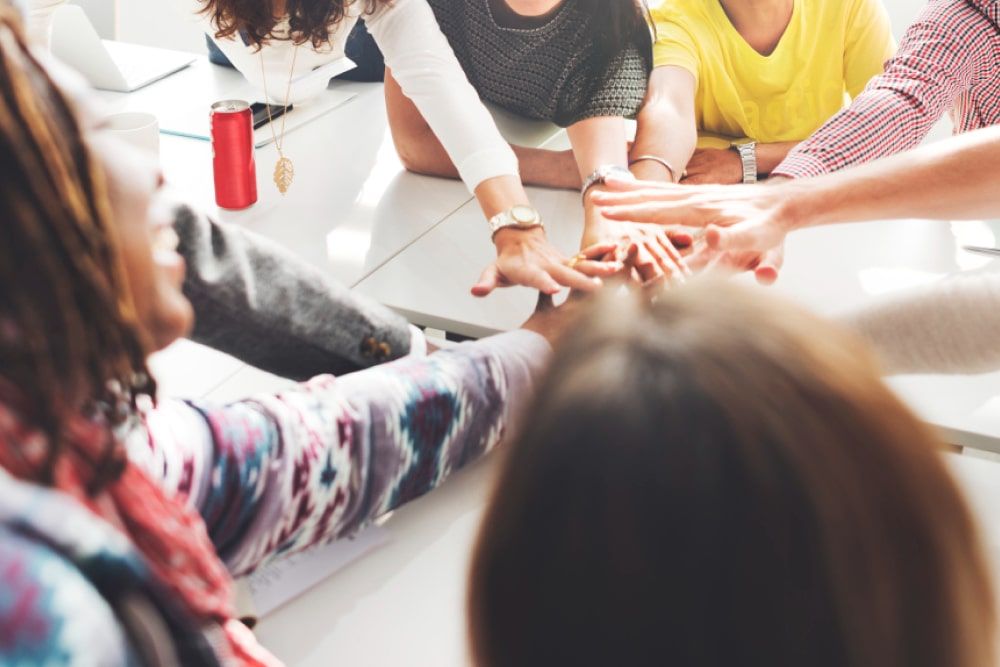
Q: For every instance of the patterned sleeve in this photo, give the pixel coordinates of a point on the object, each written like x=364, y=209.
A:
x=49, y=613
x=280, y=473
x=940, y=55
x=618, y=92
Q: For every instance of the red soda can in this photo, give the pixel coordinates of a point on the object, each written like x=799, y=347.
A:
x=232, y=154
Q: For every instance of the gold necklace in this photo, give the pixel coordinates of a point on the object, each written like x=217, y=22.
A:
x=284, y=170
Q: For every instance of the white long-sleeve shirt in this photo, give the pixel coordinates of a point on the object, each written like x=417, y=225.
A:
x=421, y=61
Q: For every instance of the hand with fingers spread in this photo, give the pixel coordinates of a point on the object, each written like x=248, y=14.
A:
x=525, y=257
x=745, y=226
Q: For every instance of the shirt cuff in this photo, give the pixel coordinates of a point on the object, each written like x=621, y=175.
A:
x=487, y=164
x=418, y=342
x=800, y=165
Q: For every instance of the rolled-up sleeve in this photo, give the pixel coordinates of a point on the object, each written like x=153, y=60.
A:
x=425, y=66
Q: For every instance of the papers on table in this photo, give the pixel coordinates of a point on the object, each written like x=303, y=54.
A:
x=183, y=100
x=284, y=580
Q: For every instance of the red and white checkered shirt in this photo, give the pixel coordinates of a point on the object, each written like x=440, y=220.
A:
x=948, y=59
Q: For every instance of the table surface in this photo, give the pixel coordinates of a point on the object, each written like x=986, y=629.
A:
x=417, y=244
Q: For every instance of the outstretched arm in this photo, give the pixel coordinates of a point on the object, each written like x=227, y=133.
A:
x=954, y=178
x=265, y=306
x=276, y=474
x=941, y=54
x=422, y=63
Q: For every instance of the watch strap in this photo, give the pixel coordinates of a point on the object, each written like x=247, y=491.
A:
x=505, y=219
x=748, y=157
x=600, y=175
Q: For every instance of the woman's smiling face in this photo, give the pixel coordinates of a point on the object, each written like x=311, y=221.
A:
x=142, y=215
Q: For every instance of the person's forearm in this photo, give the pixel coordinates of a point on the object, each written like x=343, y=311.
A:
x=899, y=107
x=547, y=168
x=666, y=126
x=662, y=133
x=948, y=327
x=419, y=57
x=276, y=474
x=597, y=142
x=265, y=306
x=769, y=156
x=955, y=178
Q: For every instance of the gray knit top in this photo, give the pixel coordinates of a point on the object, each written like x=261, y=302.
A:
x=545, y=72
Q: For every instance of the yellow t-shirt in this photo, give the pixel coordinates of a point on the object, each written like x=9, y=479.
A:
x=831, y=47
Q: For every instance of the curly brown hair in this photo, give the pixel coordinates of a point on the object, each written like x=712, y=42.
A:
x=70, y=342
x=309, y=20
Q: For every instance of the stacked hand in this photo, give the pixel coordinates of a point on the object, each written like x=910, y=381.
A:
x=648, y=251
x=527, y=258
x=745, y=226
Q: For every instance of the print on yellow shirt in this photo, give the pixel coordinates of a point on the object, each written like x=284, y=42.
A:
x=829, y=51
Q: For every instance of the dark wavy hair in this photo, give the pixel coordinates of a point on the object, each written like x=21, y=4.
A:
x=69, y=334
x=617, y=25
x=309, y=20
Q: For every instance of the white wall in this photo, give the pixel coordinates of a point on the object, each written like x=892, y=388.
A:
x=102, y=15
x=159, y=23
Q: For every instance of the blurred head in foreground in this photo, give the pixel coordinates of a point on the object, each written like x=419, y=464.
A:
x=722, y=479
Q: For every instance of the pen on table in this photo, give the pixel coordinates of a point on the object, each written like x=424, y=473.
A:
x=982, y=250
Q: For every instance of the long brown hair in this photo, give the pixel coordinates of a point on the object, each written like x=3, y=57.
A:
x=69, y=340
x=309, y=21
x=720, y=479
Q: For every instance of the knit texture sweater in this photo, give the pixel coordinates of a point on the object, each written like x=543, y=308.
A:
x=548, y=72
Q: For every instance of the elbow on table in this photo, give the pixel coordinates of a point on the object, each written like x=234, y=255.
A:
x=415, y=161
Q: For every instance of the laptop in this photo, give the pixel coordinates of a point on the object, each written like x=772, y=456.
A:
x=110, y=65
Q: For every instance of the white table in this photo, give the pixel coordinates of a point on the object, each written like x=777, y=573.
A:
x=829, y=269
x=417, y=244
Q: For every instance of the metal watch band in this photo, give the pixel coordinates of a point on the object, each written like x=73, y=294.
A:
x=748, y=156
x=659, y=160
x=600, y=175
x=507, y=219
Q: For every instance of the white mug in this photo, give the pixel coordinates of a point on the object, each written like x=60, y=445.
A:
x=138, y=128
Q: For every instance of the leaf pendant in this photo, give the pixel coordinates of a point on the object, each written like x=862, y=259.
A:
x=284, y=172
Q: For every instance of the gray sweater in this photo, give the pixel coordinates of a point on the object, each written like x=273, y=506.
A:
x=546, y=72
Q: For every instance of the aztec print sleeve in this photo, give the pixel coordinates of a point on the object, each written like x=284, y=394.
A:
x=280, y=473
x=945, y=51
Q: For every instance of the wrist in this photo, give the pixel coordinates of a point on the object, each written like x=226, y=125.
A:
x=796, y=205
x=512, y=236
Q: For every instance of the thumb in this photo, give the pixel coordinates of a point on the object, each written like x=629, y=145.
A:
x=487, y=282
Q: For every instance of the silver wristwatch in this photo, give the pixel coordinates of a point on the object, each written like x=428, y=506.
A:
x=748, y=155
x=600, y=175
x=520, y=217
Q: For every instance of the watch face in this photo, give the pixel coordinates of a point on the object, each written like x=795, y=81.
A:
x=524, y=215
